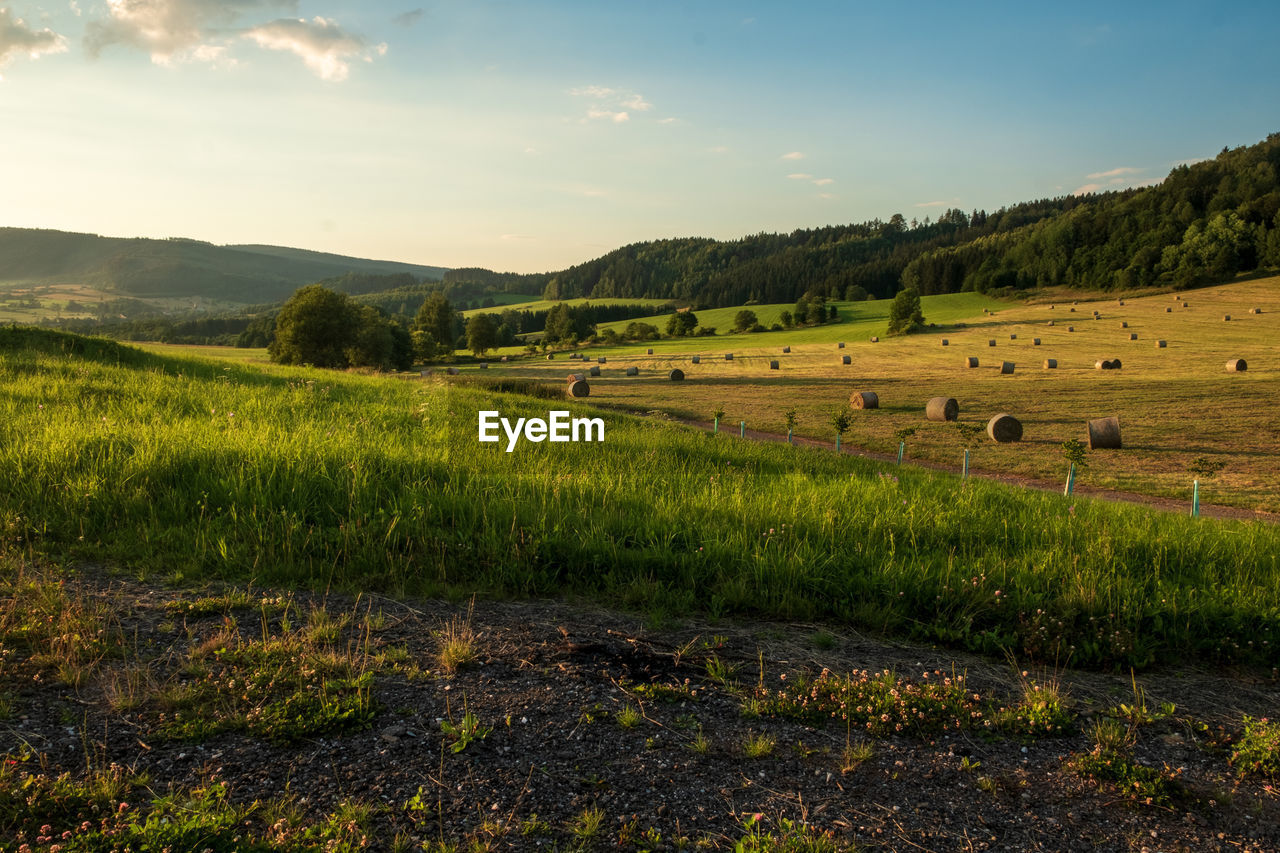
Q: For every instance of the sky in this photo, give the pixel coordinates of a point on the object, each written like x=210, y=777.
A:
x=531, y=135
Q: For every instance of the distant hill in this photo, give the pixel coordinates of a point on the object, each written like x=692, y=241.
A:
x=146, y=268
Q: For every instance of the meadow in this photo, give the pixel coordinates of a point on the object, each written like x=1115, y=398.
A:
x=1179, y=408
x=190, y=469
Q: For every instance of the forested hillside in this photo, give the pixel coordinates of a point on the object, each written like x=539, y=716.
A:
x=1205, y=222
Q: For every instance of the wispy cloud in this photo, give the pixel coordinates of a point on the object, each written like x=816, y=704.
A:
x=615, y=105
x=1114, y=173
x=822, y=182
x=408, y=19
x=799, y=176
x=933, y=204
x=321, y=44
x=19, y=39
x=826, y=195
x=793, y=155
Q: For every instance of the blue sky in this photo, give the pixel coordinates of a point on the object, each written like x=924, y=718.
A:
x=530, y=136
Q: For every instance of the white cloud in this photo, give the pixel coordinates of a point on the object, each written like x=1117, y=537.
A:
x=320, y=43
x=1085, y=189
x=822, y=182
x=668, y=120
x=793, y=155
x=615, y=105
x=826, y=195
x=799, y=176
x=171, y=30
x=18, y=39
x=933, y=204
x=1114, y=173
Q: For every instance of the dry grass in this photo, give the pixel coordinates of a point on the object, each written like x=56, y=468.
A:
x=457, y=642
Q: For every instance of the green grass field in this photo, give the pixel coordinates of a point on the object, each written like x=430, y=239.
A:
x=191, y=468
x=546, y=305
x=1175, y=405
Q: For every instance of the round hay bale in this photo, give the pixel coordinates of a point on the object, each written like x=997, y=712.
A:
x=1104, y=434
x=1115, y=364
x=1226, y=317
x=1121, y=301
x=1013, y=337
x=1050, y=322
x=1107, y=364
x=844, y=359
x=649, y=351
x=452, y=371
x=1004, y=428
x=1050, y=363
x=1071, y=328
x=1255, y=310
x=505, y=358
x=773, y=365
x=942, y=409
x=697, y=359
x=1006, y=367
x=676, y=375
x=633, y=371
x=594, y=371
x=865, y=400
x=875, y=339
x=944, y=342
x=580, y=388
x=728, y=356
x=1035, y=342
x=1185, y=305
x=484, y=365
x=1161, y=344
x=991, y=342
x=1073, y=310
x=1237, y=365
x=1124, y=324
x=840, y=345
x=1133, y=336
x=970, y=362
x=1168, y=310
x=551, y=357
x=786, y=350
x=575, y=377
x=1051, y=307
x=601, y=360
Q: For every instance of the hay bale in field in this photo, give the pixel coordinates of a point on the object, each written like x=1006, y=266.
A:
x=1133, y=336
x=484, y=365
x=1050, y=322
x=1161, y=344
x=601, y=360
x=551, y=357
x=875, y=339
x=728, y=356
x=1107, y=364
x=595, y=371
x=786, y=350
x=942, y=409
x=1168, y=310
x=1013, y=337
x=1255, y=310
x=676, y=375
x=1226, y=317
x=649, y=351
x=1115, y=364
x=1004, y=428
x=970, y=362
x=944, y=342
x=424, y=373
x=844, y=359
x=579, y=388
x=773, y=365
x=1050, y=363
x=575, y=377
x=1237, y=365
x=840, y=345
x=1051, y=307
x=633, y=371
x=1124, y=324
x=1006, y=367
x=1104, y=434
x=865, y=400
x=1073, y=310
x=1035, y=342
x=1121, y=301
x=452, y=371
x=697, y=359
x=991, y=342
x=1071, y=328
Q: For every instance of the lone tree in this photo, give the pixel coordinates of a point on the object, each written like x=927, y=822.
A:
x=905, y=314
x=482, y=333
x=325, y=328
x=681, y=324
x=744, y=320
x=433, y=327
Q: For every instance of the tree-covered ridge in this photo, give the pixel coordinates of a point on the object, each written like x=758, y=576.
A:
x=1206, y=222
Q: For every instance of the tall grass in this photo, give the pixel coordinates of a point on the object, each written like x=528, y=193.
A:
x=295, y=476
